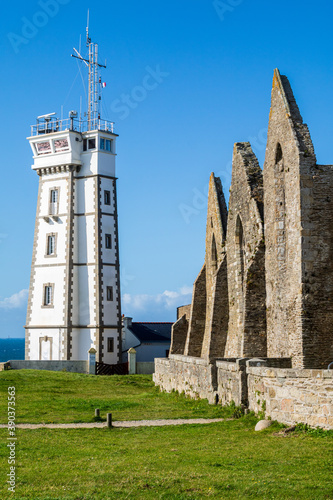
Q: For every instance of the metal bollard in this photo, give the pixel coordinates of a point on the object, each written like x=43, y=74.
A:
x=97, y=412
x=109, y=419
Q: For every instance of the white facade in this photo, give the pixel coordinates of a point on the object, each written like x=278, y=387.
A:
x=147, y=349
x=74, y=295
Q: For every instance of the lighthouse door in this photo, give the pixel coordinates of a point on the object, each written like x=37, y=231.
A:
x=45, y=348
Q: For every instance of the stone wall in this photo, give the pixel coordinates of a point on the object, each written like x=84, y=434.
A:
x=184, y=311
x=145, y=367
x=194, y=376
x=292, y=396
x=57, y=366
x=246, y=258
x=217, y=310
x=318, y=268
x=231, y=382
x=196, y=328
x=267, y=385
x=178, y=335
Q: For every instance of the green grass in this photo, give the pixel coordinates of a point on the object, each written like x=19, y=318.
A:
x=60, y=397
x=226, y=460
x=223, y=460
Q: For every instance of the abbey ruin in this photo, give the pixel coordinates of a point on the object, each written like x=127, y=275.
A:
x=259, y=329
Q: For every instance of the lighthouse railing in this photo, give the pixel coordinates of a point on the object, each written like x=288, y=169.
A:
x=50, y=126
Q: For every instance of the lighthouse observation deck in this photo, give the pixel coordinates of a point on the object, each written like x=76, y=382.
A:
x=49, y=124
x=89, y=145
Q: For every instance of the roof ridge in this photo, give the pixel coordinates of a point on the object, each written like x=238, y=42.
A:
x=152, y=323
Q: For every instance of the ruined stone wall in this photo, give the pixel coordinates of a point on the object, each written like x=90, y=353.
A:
x=196, y=328
x=289, y=157
x=178, y=335
x=292, y=396
x=246, y=257
x=193, y=376
x=283, y=394
x=231, y=382
x=217, y=310
x=216, y=329
x=184, y=311
x=317, y=268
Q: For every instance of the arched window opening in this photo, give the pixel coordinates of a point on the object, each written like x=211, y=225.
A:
x=278, y=154
x=214, y=254
x=240, y=248
x=280, y=207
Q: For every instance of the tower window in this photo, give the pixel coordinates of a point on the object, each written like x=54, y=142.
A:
x=105, y=144
x=108, y=241
x=54, y=199
x=107, y=198
x=109, y=293
x=110, y=344
x=51, y=243
x=91, y=143
x=43, y=148
x=48, y=295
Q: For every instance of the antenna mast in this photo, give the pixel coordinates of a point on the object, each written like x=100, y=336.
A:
x=93, y=79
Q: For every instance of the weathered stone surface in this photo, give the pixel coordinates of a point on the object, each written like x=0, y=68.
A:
x=297, y=400
x=266, y=288
x=196, y=328
x=193, y=376
x=263, y=424
x=217, y=306
x=178, y=335
x=246, y=257
x=184, y=311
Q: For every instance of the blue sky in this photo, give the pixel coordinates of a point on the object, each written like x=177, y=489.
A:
x=213, y=64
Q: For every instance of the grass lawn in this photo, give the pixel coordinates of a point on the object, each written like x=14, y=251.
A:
x=226, y=460
x=223, y=460
x=60, y=397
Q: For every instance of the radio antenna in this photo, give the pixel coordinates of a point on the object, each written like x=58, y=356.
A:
x=94, y=82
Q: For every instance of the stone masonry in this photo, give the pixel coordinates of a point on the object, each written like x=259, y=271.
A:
x=262, y=305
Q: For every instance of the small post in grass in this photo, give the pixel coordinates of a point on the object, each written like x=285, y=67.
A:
x=109, y=420
x=131, y=353
x=92, y=361
x=97, y=412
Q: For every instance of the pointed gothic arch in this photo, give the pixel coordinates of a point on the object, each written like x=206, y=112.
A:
x=280, y=207
x=214, y=254
x=240, y=248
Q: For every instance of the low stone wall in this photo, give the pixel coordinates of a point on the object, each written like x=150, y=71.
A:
x=232, y=382
x=57, y=366
x=193, y=376
x=232, y=377
x=145, y=367
x=292, y=396
x=265, y=385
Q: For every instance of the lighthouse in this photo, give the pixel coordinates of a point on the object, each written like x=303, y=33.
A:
x=74, y=294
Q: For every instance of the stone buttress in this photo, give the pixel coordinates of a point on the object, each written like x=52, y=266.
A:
x=298, y=235
x=246, y=258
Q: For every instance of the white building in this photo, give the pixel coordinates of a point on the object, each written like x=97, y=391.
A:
x=150, y=340
x=74, y=295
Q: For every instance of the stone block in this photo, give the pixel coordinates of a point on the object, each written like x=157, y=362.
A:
x=263, y=424
x=287, y=405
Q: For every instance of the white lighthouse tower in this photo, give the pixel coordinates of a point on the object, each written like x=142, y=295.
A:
x=74, y=295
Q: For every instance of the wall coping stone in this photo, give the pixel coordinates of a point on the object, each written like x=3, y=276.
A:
x=289, y=373
x=189, y=359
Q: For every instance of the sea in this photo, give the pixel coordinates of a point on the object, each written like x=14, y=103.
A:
x=11, y=349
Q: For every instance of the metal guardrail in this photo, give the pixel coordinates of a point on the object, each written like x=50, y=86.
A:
x=54, y=125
